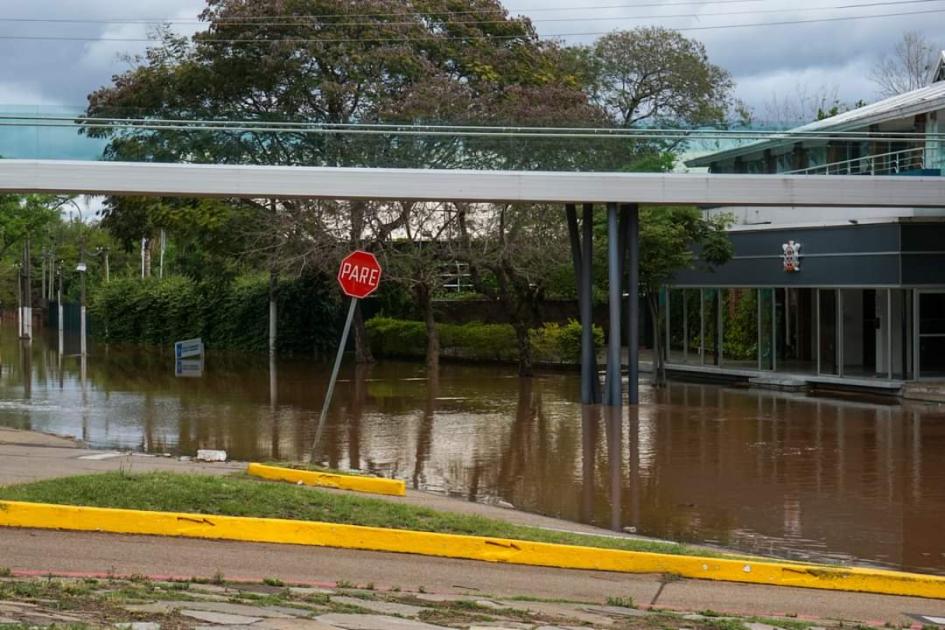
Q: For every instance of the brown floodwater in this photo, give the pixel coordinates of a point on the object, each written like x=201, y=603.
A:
x=782, y=474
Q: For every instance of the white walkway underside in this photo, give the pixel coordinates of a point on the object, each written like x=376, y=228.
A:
x=52, y=176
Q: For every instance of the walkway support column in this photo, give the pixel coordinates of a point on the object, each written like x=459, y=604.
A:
x=588, y=347
x=581, y=257
x=633, y=303
x=614, y=393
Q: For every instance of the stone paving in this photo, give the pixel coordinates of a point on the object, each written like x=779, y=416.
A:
x=142, y=604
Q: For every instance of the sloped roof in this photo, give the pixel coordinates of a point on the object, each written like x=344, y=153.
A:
x=926, y=99
x=938, y=72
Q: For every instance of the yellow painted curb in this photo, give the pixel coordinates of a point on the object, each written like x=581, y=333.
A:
x=267, y=530
x=373, y=485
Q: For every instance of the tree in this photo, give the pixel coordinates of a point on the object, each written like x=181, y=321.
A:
x=367, y=62
x=415, y=261
x=907, y=68
x=654, y=75
x=673, y=239
x=801, y=105
x=514, y=252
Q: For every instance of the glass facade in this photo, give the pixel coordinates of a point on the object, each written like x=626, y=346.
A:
x=855, y=333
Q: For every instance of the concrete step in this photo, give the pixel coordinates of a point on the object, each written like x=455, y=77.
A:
x=931, y=391
x=779, y=383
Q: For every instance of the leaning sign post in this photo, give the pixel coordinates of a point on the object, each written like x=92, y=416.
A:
x=359, y=276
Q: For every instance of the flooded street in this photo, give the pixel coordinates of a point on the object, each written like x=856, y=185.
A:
x=774, y=473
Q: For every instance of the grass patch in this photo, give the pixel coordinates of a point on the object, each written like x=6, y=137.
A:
x=243, y=496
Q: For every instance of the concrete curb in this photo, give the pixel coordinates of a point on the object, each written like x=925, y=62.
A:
x=266, y=530
x=371, y=485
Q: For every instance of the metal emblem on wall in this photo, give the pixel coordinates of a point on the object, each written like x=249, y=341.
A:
x=792, y=256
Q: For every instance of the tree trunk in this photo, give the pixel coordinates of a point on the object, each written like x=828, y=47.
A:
x=425, y=299
x=145, y=257
x=273, y=312
x=526, y=366
x=362, y=349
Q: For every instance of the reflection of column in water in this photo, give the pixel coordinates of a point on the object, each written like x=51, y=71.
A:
x=916, y=457
x=83, y=373
x=761, y=447
x=776, y=441
x=362, y=373
x=26, y=367
x=589, y=416
x=274, y=450
x=890, y=464
x=841, y=450
x=819, y=444
x=614, y=428
x=633, y=443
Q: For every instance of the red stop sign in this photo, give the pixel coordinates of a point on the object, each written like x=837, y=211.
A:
x=359, y=274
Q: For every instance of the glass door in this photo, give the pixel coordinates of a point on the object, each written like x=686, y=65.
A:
x=931, y=334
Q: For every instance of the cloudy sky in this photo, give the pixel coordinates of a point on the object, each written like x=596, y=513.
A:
x=811, y=58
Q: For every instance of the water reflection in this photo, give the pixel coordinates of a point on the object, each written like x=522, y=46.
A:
x=759, y=471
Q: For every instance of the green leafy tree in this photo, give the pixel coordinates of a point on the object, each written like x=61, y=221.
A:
x=375, y=61
x=673, y=239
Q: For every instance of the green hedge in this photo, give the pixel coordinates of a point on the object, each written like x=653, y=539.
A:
x=231, y=314
x=552, y=343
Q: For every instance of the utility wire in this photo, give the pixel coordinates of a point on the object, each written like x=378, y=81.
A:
x=301, y=20
x=434, y=38
x=399, y=14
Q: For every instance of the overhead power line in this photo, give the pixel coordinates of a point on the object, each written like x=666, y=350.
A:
x=301, y=20
x=434, y=38
x=264, y=18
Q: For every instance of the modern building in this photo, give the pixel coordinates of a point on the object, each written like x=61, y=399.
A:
x=851, y=294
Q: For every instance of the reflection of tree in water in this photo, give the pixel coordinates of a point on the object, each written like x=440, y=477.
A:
x=536, y=469
x=425, y=428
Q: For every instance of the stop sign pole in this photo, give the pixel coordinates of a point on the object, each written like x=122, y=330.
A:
x=359, y=275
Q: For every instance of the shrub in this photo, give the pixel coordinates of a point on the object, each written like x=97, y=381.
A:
x=226, y=314
x=552, y=343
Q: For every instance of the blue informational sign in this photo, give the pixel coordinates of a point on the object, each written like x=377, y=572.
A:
x=189, y=348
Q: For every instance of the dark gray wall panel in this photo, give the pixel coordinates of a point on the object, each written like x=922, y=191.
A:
x=926, y=237
x=828, y=271
x=925, y=269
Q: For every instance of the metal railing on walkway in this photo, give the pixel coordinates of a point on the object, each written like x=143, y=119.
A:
x=891, y=163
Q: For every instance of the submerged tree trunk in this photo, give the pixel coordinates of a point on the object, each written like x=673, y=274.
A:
x=362, y=349
x=526, y=366
x=425, y=300
x=273, y=311
x=659, y=363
